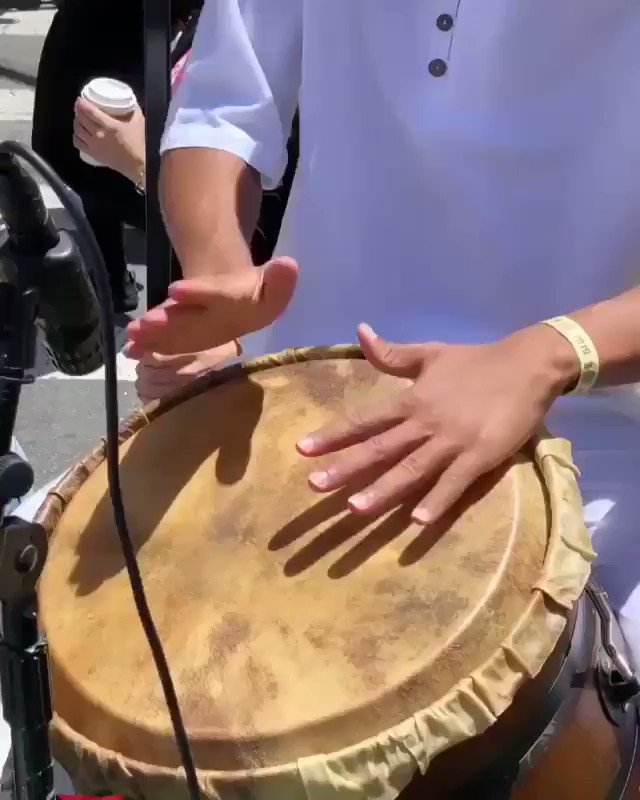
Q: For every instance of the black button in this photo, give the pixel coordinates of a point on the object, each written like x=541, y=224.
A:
x=445, y=22
x=437, y=67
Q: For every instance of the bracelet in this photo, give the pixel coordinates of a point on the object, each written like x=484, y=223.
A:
x=585, y=350
x=140, y=184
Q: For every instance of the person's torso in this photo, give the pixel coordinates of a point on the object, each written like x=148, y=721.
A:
x=465, y=205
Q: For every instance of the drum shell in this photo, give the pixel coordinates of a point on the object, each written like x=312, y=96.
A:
x=584, y=753
x=120, y=765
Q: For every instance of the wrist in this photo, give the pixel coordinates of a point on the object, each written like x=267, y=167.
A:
x=136, y=173
x=214, y=268
x=552, y=359
x=213, y=258
x=140, y=176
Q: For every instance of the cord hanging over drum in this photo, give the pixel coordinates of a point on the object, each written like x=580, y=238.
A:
x=316, y=654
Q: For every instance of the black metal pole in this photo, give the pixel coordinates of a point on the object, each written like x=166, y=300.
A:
x=24, y=675
x=25, y=687
x=157, y=82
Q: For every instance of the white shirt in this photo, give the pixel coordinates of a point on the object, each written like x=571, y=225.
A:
x=460, y=176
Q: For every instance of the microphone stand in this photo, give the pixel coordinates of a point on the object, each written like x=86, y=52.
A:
x=40, y=269
x=24, y=671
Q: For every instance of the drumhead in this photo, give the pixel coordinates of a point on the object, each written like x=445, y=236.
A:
x=292, y=627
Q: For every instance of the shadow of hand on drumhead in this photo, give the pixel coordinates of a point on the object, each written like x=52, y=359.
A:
x=328, y=525
x=166, y=473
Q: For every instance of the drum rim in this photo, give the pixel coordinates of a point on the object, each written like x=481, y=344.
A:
x=549, y=604
x=56, y=500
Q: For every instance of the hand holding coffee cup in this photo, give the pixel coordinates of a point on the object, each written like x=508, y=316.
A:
x=109, y=128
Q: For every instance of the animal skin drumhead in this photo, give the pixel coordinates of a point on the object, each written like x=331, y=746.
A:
x=291, y=626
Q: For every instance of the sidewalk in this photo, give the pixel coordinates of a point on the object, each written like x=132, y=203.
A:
x=22, y=35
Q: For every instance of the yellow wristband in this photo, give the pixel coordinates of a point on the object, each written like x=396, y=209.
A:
x=585, y=350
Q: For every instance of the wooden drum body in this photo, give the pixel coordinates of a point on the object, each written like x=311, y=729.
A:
x=317, y=654
x=567, y=736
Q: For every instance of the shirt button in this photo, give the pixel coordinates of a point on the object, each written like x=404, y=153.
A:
x=437, y=67
x=445, y=22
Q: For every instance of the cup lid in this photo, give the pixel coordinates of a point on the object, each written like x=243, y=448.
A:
x=110, y=94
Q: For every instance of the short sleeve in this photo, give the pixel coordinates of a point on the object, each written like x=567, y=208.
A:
x=240, y=89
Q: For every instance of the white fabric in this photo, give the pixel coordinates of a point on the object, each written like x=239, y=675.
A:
x=456, y=208
x=459, y=207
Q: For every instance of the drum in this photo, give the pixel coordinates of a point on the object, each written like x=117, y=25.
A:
x=318, y=654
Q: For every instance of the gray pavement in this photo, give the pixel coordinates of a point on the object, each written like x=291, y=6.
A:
x=18, y=129
x=60, y=420
x=20, y=56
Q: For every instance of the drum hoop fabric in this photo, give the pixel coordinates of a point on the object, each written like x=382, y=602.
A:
x=383, y=765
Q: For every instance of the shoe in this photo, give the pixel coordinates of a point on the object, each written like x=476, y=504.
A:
x=125, y=293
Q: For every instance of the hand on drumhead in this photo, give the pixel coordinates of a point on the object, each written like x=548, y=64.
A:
x=208, y=312
x=159, y=375
x=467, y=410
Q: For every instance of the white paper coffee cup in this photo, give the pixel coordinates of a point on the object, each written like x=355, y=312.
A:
x=111, y=96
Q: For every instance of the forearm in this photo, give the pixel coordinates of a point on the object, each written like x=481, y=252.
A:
x=614, y=328
x=221, y=121
x=211, y=202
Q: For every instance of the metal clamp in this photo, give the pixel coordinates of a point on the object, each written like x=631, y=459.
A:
x=622, y=683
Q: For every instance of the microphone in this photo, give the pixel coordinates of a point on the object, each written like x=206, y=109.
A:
x=68, y=312
x=31, y=229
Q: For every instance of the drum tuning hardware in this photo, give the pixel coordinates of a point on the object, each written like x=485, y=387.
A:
x=615, y=676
